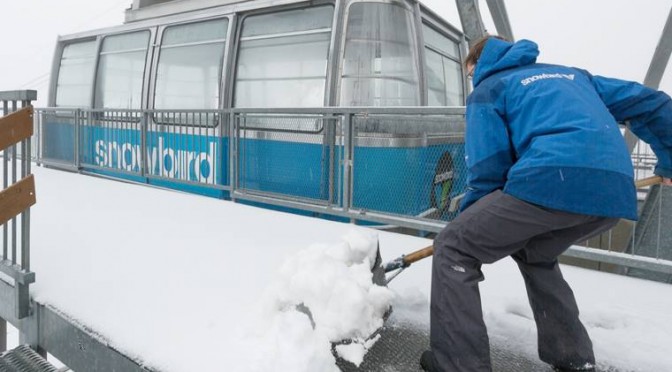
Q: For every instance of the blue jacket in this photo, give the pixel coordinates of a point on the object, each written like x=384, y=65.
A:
x=548, y=134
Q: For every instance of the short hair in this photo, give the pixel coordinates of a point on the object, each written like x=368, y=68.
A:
x=476, y=49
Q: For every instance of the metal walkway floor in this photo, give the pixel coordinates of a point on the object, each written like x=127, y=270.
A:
x=24, y=359
x=400, y=347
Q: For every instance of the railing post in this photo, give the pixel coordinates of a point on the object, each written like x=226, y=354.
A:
x=37, y=118
x=331, y=145
x=77, y=139
x=144, y=124
x=13, y=175
x=348, y=151
x=233, y=154
x=25, y=228
x=5, y=183
x=225, y=130
x=25, y=216
x=3, y=323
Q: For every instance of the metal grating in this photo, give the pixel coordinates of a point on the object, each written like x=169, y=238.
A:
x=401, y=345
x=24, y=359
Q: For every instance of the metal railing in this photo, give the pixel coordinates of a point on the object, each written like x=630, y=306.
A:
x=16, y=197
x=399, y=166
x=334, y=161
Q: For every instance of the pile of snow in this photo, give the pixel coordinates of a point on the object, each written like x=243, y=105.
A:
x=322, y=295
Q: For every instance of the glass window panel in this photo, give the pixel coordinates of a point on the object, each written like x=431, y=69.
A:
x=120, y=71
x=443, y=73
x=75, y=75
x=292, y=21
x=125, y=42
x=439, y=42
x=378, y=92
x=270, y=93
x=379, y=66
x=79, y=50
x=188, y=76
x=436, y=79
x=302, y=56
x=287, y=70
x=196, y=32
x=454, y=91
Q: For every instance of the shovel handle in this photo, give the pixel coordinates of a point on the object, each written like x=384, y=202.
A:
x=649, y=181
x=418, y=255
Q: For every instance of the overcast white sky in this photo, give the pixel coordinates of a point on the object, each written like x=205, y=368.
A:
x=607, y=37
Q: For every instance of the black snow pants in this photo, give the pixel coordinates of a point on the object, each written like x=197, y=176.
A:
x=496, y=226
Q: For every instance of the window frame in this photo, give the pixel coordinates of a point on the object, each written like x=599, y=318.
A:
x=99, y=53
x=328, y=90
x=56, y=70
x=454, y=36
x=223, y=63
x=415, y=53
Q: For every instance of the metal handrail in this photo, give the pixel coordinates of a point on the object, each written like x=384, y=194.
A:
x=353, y=127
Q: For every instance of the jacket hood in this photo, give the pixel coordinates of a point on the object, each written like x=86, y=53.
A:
x=500, y=55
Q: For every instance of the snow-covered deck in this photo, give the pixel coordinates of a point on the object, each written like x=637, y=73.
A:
x=175, y=281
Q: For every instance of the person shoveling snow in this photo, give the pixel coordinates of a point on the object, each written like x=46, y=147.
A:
x=546, y=167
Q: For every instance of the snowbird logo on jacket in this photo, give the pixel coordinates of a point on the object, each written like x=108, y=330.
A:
x=534, y=78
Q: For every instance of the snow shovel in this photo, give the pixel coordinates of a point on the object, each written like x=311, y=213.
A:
x=399, y=264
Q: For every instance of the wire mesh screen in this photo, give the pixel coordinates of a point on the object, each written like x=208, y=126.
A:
x=294, y=157
x=408, y=165
x=189, y=147
x=55, y=136
x=652, y=234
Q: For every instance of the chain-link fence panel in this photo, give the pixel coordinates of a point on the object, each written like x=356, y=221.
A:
x=55, y=136
x=290, y=156
x=411, y=166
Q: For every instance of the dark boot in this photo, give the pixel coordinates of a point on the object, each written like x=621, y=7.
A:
x=428, y=362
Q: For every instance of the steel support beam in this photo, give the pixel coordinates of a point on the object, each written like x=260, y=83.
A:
x=501, y=19
x=470, y=17
x=661, y=56
x=3, y=335
x=656, y=70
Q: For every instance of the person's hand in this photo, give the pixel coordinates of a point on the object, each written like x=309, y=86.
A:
x=667, y=181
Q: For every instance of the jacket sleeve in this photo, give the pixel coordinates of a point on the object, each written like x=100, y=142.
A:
x=648, y=111
x=489, y=154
